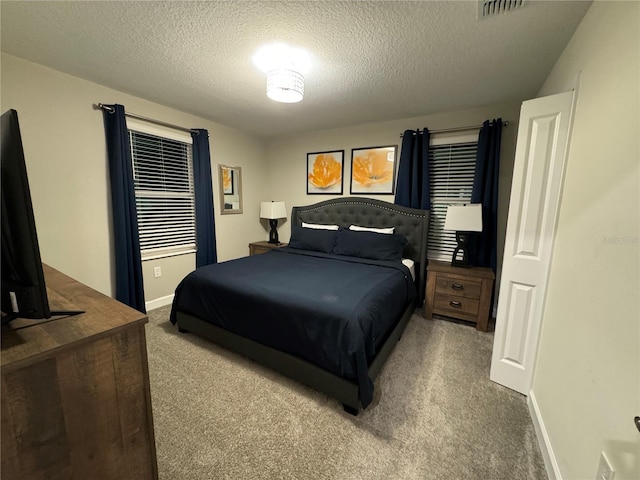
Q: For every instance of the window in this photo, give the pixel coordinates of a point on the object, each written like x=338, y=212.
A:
x=451, y=171
x=163, y=182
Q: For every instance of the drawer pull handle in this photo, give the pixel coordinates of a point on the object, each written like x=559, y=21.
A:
x=457, y=286
x=453, y=303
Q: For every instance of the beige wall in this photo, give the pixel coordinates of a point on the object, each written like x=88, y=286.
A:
x=587, y=378
x=65, y=153
x=287, y=156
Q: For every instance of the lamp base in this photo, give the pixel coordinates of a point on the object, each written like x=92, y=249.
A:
x=460, y=257
x=273, y=234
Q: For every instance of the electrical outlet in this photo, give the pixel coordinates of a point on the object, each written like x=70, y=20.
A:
x=157, y=272
x=605, y=470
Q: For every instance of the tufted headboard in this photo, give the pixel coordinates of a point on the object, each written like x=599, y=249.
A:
x=367, y=212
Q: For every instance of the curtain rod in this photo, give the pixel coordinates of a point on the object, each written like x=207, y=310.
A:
x=102, y=106
x=457, y=129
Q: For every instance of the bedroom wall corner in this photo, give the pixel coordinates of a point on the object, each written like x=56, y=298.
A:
x=65, y=152
x=287, y=156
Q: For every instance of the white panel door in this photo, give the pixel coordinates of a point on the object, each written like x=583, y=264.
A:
x=535, y=195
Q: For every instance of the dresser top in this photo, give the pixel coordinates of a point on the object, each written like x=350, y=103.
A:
x=27, y=341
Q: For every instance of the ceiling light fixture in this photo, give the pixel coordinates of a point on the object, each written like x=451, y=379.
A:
x=284, y=67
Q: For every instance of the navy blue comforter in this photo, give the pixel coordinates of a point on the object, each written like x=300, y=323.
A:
x=331, y=310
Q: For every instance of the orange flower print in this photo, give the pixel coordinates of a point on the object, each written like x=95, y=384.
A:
x=326, y=172
x=226, y=179
x=371, y=168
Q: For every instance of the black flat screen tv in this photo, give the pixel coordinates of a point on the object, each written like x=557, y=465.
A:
x=24, y=292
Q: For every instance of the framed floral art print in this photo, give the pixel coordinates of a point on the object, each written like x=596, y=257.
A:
x=324, y=172
x=373, y=170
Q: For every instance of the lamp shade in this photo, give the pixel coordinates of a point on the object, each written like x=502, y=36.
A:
x=273, y=210
x=284, y=85
x=285, y=68
x=464, y=218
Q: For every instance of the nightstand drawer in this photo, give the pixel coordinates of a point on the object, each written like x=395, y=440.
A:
x=462, y=293
x=256, y=248
x=460, y=287
x=454, y=306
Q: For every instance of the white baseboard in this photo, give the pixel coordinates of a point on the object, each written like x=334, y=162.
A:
x=159, y=302
x=550, y=462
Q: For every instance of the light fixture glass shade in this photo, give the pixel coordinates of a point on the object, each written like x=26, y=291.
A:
x=285, y=85
x=464, y=218
x=273, y=210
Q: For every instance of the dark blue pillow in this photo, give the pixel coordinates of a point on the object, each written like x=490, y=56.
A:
x=312, y=239
x=375, y=246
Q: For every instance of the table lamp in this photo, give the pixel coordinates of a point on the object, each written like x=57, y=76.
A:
x=273, y=211
x=463, y=219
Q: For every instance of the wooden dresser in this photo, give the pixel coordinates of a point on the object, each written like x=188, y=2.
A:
x=462, y=293
x=256, y=248
x=76, y=402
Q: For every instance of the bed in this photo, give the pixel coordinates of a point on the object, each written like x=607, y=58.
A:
x=326, y=317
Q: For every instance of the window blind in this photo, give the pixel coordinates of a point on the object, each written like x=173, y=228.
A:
x=451, y=171
x=163, y=182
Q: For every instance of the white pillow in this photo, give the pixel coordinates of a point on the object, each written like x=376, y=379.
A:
x=318, y=226
x=358, y=228
x=410, y=264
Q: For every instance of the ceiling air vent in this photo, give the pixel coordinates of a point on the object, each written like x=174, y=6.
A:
x=490, y=8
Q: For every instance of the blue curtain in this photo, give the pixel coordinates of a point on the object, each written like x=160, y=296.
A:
x=413, y=171
x=129, y=284
x=205, y=223
x=483, y=246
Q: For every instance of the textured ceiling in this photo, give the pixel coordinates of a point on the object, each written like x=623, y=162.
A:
x=372, y=60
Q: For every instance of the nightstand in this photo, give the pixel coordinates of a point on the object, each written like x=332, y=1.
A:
x=256, y=248
x=462, y=293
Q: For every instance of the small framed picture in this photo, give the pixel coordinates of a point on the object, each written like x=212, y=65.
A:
x=324, y=172
x=373, y=170
x=227, y=181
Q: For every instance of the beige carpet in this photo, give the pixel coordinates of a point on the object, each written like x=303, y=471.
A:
x=435, y=414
